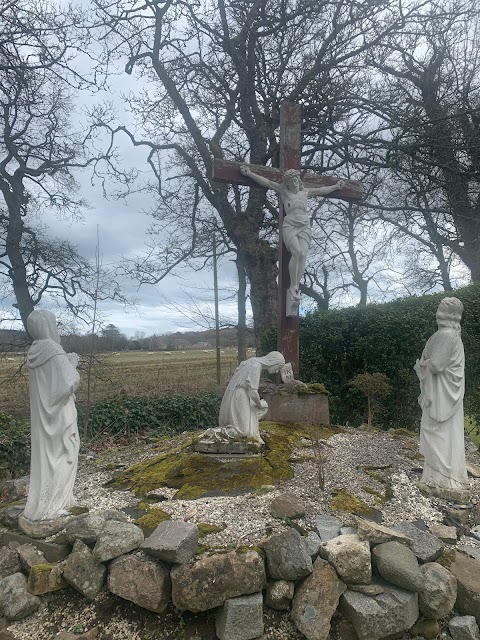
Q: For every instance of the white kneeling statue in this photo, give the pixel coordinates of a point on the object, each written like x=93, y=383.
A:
x=55, y=442
x=241, y=406
x=442, y=385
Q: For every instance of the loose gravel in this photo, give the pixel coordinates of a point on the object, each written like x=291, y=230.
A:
x=344, y=462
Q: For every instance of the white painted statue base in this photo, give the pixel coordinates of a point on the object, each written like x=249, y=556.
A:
x=292, y=304
x=458, y=496
x=42, y=528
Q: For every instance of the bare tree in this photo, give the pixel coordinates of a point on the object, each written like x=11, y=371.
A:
x=212, y=79
x=424, y=106
x=40, y=150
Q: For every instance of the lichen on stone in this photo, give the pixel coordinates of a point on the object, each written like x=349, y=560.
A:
x=152, y=519
x=206, y=529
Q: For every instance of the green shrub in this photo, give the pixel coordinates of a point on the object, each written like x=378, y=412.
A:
x=14, y=446
x=337, y=345
x=164, y=415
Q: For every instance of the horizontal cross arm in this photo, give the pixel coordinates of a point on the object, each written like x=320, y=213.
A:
x=229, y=171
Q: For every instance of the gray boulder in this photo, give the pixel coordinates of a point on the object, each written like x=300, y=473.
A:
x=172, y=541
x=287, y=505
x=393, y=611
x=116, y=539
x=9, y=516
x=444, y=533
x=83, y=572
x=240, y=618
x=30, y=556
x=350, y=557
x=328, y=527
x=439, y=591
x=140, y=580
x=287, y=556
x=397, y=564
x=44, y=578
x=464, y=628
x=208, y=582
x=316, y=600
x=313, y=543
x=14, y=489
x=425, y=546
x=378, y=534
x=279, y=594
x=87, y=526
x=9, y=562
x=466, y=570
x=15, y=601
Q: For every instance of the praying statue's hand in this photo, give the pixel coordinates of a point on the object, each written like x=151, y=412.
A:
x=340, y=184
x=244, y=170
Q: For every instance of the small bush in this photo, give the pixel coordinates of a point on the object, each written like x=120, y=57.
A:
x=14, y=446
x=164, y=415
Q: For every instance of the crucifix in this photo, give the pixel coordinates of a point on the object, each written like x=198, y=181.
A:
x=289, y=182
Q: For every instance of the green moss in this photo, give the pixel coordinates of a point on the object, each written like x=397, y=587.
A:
x=374, y=492
x=206, y=529
x=315, y=387
x=344, y=500
x=202, y=548
x=152, y=519
x=246, y=548
x=388, y=495
x=195, y=475
x=77, y=510
x=447, y=558
x=402, y=432
x=5, y=505
x=41, y=568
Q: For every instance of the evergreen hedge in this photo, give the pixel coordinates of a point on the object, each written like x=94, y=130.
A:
x=337, y=345
x=163, y=415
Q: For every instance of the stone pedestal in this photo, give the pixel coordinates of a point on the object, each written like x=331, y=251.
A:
x=310, y=408
x=233, y=447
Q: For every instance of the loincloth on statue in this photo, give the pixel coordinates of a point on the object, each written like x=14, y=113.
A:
x=294, y=228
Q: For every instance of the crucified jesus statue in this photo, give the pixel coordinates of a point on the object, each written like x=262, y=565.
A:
x=297, y=231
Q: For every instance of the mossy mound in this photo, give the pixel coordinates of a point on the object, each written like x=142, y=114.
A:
x=196, y=475
x=344, y=500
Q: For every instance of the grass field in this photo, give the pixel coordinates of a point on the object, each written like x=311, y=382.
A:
x=131, y=372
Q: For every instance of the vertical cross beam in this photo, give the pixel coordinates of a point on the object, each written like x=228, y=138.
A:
x=290, y=152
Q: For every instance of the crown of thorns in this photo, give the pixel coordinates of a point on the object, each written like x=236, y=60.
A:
x=291, y=173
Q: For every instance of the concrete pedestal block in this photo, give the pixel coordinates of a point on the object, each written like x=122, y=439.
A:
x=310, y=408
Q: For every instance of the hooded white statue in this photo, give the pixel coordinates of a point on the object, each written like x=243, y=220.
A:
x=242, y=407
x=53, y=379
x=442, y=385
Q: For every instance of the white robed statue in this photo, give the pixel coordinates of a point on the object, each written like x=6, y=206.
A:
x=242, y=407
x=53, y=379
x=442, y=385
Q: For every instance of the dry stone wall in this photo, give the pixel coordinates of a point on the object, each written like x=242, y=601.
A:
x=377, y=581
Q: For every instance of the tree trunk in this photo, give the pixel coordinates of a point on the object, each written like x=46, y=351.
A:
x=242, y=312
x=13, y=243
x=260, y=261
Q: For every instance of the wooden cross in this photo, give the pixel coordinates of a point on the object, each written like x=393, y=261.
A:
x=290, y=155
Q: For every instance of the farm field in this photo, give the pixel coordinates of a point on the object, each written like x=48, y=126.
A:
x=129, y=372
